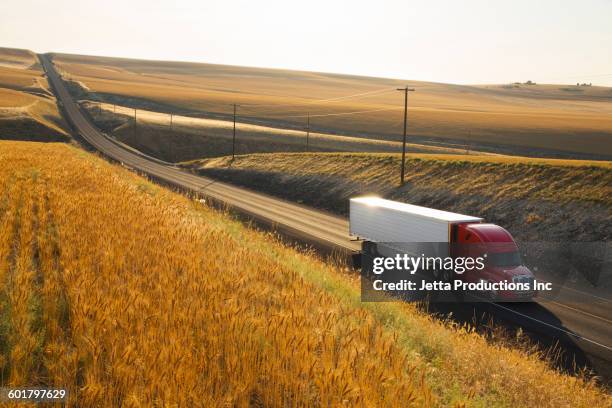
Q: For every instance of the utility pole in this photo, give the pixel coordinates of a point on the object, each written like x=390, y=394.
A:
x=170, y=121
x=406, y=90
x=234, y=136
x=135, y=121
x=307, y=130
x=469, y=142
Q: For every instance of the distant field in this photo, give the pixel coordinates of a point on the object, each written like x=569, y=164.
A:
x=27, y=106
x=553, y=120
x=530, y=197
x=128, y=294
x=190, y=138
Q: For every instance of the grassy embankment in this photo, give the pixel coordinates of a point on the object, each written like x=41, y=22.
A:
x=519, y=119
x=28, y=110
x=535, y=199
x=131, y=295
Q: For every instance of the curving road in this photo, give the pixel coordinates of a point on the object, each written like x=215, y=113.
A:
x=587, y=335
x=303, y=221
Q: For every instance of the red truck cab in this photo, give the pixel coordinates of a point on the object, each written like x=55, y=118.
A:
x=503, y=261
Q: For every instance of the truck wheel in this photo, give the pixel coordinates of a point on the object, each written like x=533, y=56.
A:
x=459, y=295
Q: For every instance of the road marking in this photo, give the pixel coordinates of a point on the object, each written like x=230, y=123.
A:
x=586, y=293
x=556, y=327
x=575, y=310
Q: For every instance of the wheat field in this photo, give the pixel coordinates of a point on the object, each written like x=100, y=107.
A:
x=130, y=295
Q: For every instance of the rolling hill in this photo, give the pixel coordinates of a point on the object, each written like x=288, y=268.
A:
x=27, y=107
x=182, y=138
x=537, y=120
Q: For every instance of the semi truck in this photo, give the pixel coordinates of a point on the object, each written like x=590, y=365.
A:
x=389, y=227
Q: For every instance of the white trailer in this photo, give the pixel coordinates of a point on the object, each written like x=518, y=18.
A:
x=384, y=221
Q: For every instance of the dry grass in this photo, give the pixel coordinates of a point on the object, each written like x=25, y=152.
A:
x=539, y=116
x=27, y=107
x=502, y=189
x=494, y=176
x=131, y=295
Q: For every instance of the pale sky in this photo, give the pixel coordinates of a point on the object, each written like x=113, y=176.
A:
x=468, y=42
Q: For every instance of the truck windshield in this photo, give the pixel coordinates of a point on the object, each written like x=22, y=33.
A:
x=505, y=259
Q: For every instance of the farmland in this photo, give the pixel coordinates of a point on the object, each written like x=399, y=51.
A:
x=27, y=106
x=541, y=120
x=130, y=295
x=188, y=138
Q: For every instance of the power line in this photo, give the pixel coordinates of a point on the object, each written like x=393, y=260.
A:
x=323, y=101
x=371, y=93
x=382, y=90
x=336, y=114
x=308, y=115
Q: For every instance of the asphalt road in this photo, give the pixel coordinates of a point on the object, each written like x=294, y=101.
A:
x=587, y=337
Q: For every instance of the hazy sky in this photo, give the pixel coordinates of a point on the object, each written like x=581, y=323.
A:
x=469, y=41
